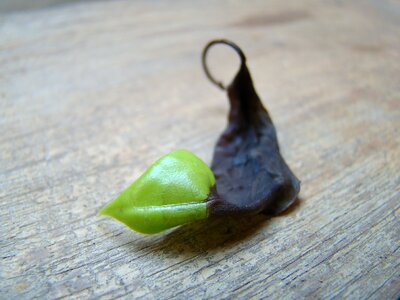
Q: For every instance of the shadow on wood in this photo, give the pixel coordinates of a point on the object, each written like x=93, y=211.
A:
x=209, y=235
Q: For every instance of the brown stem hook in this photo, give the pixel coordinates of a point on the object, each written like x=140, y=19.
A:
x=204, y=55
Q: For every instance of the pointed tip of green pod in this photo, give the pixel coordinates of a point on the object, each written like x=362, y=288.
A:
x=171, y=192
x=107, y=210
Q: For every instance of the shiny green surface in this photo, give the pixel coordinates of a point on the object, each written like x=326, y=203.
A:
x=171, y=192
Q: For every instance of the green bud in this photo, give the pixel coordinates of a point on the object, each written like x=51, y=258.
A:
x=172, y=191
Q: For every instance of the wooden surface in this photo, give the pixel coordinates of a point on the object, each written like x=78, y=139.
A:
x=91, y=93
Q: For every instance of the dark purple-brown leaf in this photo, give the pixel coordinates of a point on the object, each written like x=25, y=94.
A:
x=251, y=175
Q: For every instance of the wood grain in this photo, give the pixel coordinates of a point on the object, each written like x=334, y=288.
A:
x=91, y=93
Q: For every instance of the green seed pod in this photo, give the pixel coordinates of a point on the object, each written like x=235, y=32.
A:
x=173, y=191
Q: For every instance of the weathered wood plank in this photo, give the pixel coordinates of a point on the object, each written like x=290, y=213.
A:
x=91, y=93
